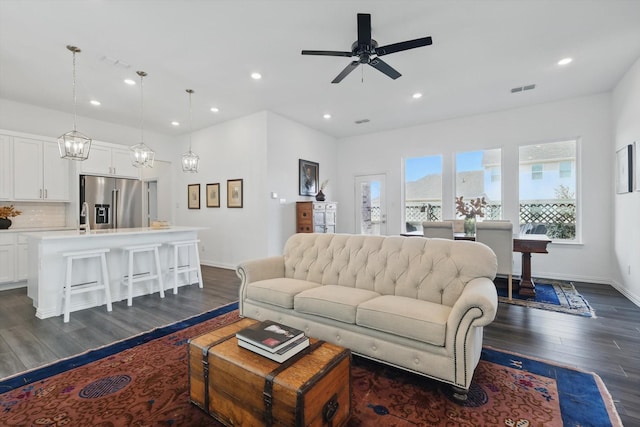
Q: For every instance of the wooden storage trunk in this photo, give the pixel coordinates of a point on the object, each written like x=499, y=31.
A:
x=241, y=388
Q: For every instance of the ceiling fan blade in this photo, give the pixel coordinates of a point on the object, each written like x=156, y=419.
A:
x=398, y=47
x=327, y=53
x=344, y=73
x=385, y=68
x=364, y=29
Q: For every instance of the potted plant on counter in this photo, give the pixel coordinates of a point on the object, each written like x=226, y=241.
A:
x=7, y=212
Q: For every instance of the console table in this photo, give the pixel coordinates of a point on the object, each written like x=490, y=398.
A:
x=523, y=243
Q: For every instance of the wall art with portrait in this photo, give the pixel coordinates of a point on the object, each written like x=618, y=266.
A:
x=213, y=195
x=193, y=196
x=308, y=177
x=624, y=169
x=234, y=193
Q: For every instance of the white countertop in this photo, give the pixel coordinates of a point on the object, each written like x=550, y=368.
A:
x=76, y=234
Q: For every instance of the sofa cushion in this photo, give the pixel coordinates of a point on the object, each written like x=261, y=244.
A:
x=278, y=291
x=408, y=317
x=332, y=301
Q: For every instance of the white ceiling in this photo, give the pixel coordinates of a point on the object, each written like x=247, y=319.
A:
x=481, y=49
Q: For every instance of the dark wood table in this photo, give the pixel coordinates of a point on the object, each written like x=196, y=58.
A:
x=523, y=243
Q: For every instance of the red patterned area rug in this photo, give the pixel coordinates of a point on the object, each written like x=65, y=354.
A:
x=143, y=381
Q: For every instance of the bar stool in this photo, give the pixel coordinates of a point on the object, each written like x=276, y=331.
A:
x=131, y=277
x=70, y=288
x=185, y=268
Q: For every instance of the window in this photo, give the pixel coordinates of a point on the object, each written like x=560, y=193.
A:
x=536, y=171
x=548, y=200
x=423, y=191
x=478, y=175
x=565, y=169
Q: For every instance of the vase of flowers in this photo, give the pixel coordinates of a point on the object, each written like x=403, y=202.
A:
x=320, y=196
x=470, y=211
x=7, y=212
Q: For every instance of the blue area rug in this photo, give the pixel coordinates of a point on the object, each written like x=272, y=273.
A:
x=552, y=295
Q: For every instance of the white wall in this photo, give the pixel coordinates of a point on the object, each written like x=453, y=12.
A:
x=35, y=120
x=626, y=232
x=587, y=118
x=232, y=150
x=288, y=142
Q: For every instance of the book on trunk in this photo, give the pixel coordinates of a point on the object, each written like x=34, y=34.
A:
x=281, y=355
x=268, y=335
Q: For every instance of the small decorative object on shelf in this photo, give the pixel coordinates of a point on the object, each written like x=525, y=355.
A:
x=321, y=196
x=7, y=212
x=470, y=210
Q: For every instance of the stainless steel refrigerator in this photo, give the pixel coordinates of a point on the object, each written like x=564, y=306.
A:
x=111, y=202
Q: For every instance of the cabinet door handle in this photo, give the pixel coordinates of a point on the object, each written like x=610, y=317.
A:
x=46, y=195
x=41, y=193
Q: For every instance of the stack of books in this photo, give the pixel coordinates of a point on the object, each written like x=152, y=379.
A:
x=273, y=340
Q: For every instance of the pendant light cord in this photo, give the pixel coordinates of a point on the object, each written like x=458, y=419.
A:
x=74, y=91
x=141, y=74
x=190, y=120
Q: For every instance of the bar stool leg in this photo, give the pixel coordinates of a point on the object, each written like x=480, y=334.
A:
x=105, y=281
x=199, y=270
x=159, y=271
x=130, y=281
x=67, y=291
x=175, y=270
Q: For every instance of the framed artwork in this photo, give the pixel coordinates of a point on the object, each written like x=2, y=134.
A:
x=308, y=177
x=234, y=193
x=624, y=169
x=193, y=194
x=213, y=195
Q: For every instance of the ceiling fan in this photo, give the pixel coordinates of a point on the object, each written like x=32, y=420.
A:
x=368, y=52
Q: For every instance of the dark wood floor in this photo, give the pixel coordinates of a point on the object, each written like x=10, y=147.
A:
x=608, y=344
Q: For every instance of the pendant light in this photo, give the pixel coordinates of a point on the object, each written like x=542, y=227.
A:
x=74, y=145
x=141, y=155
x=190, y=160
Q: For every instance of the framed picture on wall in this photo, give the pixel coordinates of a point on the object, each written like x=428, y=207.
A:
x=624, y=169
x=193, y=195
x=234, y=193
x=308, y=177
x=213, y=195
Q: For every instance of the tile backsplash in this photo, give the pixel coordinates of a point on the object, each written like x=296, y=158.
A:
x=38, y=215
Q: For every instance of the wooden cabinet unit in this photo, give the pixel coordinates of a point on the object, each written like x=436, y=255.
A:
x=316, y=217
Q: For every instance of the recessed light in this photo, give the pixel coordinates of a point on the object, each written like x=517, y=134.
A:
x=417, y=95
x=130, y=82
x=256, y=76
x=565, y=61
x=215, y=109
x=174, y=123
x=327, y=116
x=94, y=102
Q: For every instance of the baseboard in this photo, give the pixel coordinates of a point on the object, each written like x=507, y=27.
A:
x=218, y=265
x=624, y=291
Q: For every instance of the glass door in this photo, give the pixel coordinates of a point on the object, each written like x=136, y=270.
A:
x=370, y=205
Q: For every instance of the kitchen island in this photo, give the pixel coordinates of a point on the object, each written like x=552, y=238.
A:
x=47, y=265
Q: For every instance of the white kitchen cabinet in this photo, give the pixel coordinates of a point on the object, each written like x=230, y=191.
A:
x=106, y=160
x=6, y=168
x=22, y=262
x=7, y=257
x=39, y=172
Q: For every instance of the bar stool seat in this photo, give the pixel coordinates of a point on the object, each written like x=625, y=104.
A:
x=130, y=278
x=185, y=268
x=101, y=283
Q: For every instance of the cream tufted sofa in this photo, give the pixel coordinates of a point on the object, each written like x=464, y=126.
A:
x=412, y=302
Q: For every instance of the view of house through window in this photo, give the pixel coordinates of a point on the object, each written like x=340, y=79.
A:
x=423, y=191
x=548, y=189
x=479, y=182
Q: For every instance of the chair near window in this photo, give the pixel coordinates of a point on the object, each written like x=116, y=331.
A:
x=438, y=229
x=498, y=235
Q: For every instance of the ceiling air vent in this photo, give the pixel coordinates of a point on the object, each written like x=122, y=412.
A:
x=361, y=121
x=522, y=88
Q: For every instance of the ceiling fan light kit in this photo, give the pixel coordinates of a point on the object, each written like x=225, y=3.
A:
x=368, y=51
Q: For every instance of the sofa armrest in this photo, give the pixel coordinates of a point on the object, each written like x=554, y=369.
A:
x=256, y=270
x=478, y=300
